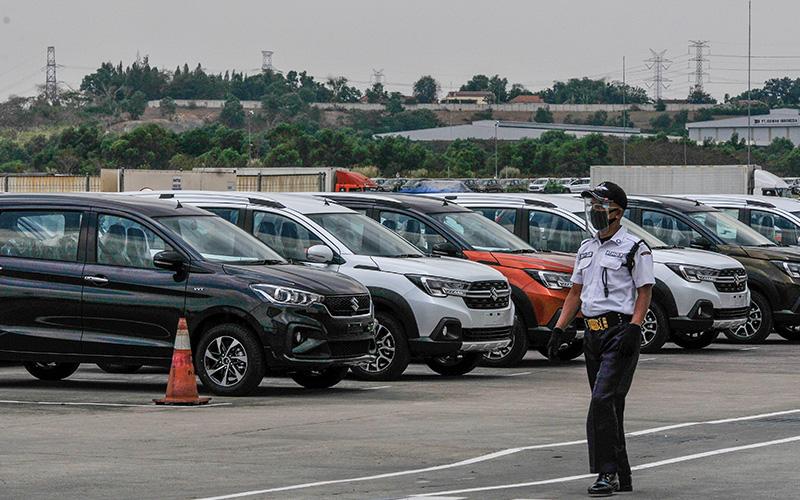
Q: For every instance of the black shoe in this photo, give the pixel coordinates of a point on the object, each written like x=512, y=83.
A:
x=625, y=483
x=605, y=485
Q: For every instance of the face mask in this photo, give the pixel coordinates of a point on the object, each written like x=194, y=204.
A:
x=598, y=215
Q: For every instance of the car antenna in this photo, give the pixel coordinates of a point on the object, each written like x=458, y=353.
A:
x=326, y=201
x=445, y=202
x=178, y=204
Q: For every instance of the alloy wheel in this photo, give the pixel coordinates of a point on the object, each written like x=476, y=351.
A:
x=225, y=361
x=385, y=350
x=649, y=328
x=749, y=329
x=501, y=353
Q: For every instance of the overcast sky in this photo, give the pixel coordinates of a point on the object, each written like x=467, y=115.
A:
x=533, y=42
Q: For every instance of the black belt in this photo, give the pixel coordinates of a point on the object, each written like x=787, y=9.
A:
x=605, y=321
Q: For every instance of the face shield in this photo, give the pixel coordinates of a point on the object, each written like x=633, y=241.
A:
x=599, y=214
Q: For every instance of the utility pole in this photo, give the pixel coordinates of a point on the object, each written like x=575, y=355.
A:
x=749, y=46
x=266, y=61
x=496, y=125
x=658, y=63
x=624, y=117
x=50, y=84
x=700, y=51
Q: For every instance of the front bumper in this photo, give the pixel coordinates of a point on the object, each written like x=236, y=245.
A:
x=449, y=337
x=540, y=335
x=311, y=338
x=704, y=316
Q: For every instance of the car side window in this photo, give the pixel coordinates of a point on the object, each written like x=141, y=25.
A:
x=124, y=242
x=775, y=227
x=551, y=232
x=731, y=212
x=506, y=217
x=229, y=214
x=40, y=234
x=668, y=228
x=282, y=234
x=415, y=231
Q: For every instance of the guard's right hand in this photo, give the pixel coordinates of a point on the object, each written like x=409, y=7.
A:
x=557, y=338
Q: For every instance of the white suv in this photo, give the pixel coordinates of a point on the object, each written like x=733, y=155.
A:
x=445, y=311
x=697, y=293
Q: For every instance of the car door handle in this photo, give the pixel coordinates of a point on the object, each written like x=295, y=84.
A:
x=96, y=280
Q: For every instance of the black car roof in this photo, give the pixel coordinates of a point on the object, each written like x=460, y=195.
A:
x=420, y=203
x=145, y=206
x=679, y=204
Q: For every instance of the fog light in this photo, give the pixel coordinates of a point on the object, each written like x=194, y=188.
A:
x=298, y=338
x=444, y=331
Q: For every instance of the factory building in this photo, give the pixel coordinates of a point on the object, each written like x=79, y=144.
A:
x=765, y=128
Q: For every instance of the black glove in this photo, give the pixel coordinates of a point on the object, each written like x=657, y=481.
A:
x=557, y=338
x=630, y=340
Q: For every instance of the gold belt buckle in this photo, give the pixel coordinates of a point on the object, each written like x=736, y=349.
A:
x=596, y=324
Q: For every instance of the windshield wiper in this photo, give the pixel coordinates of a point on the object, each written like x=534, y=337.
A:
x=262, y=262
x=407, y=256
x=521, y=250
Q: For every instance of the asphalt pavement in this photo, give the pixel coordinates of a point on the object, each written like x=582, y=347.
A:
x=723, y=422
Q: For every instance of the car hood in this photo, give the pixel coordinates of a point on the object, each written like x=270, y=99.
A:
x=556, y=262
x=439, y=266
x=773, y=253
x=694, y=257
x=302, y=277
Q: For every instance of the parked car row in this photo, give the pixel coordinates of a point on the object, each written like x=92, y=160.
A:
x=318, y=285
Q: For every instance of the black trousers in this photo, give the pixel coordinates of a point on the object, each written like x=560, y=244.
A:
x=610, y=377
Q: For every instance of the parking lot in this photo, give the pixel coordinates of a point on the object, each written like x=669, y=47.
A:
x=723, y=422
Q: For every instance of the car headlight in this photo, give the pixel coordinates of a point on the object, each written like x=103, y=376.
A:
x=284, y=295
x=440, y=287
x=550, y=279
x=790, y=268
x=694, y=274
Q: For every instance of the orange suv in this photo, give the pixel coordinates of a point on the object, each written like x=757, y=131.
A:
x=539, y=282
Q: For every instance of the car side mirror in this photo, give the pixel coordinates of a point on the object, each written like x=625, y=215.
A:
x=169, y=259
x=445, y=249
x=321, y=254
x=702, y=243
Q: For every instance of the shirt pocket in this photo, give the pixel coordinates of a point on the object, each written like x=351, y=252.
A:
x=615, y=272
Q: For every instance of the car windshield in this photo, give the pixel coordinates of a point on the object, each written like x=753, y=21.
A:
x=481, y=233
x=639, y=232
x=730, y=230
x=220, y=241
x=363, y=236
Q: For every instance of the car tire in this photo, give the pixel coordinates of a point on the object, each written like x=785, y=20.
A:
x=789, y=332
x=455, y=365
x=320, y=379
x=655, y=329
x=759, y=322
x=119, y=368
x=391, y=350
x=230, y=360
x=50, y=371
x=694, y=341
x=511, y=355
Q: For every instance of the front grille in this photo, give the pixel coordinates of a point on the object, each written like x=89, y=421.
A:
x=485, y=334
x=480, y=296
x=736, y=313
x=344, y=305
x=350, y=349
x=727, y=281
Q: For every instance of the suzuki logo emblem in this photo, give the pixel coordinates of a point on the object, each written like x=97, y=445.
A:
x=493, y=293
x=737, y=279
x=354, y=304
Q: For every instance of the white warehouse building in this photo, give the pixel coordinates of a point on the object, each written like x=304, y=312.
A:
x=782, y=122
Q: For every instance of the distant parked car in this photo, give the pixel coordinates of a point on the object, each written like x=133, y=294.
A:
x=489, y=186
x=434, y=186
x=580, y=184
x=537, y=185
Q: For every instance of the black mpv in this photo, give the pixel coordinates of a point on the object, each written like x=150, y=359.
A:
x=104, y=279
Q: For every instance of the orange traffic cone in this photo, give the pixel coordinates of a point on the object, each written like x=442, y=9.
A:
x=182, y=385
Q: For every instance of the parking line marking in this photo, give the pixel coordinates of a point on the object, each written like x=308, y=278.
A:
x=650, y=465
x=647, y=359
x=749, y=348
x=127, y=405
x=486, y=457
x=375, y=388
x=516, y=374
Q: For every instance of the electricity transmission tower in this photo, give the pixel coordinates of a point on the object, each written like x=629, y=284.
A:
x=700, y=51
x=50, y=85
x=659, y=64
x=266, y=61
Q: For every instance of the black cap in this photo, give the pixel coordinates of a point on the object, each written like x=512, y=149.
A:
x=608, y=191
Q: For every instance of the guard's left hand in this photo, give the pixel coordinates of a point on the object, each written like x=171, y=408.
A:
x=631, y=338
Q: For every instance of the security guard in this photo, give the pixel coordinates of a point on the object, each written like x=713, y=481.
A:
x=611, y=285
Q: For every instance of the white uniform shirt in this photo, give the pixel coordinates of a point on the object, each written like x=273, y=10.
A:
x=594, y=256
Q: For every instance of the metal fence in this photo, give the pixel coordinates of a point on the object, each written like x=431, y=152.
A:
x=281, y=183
x=50, y=183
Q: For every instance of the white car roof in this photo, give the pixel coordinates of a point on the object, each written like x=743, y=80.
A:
x=298, y=203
